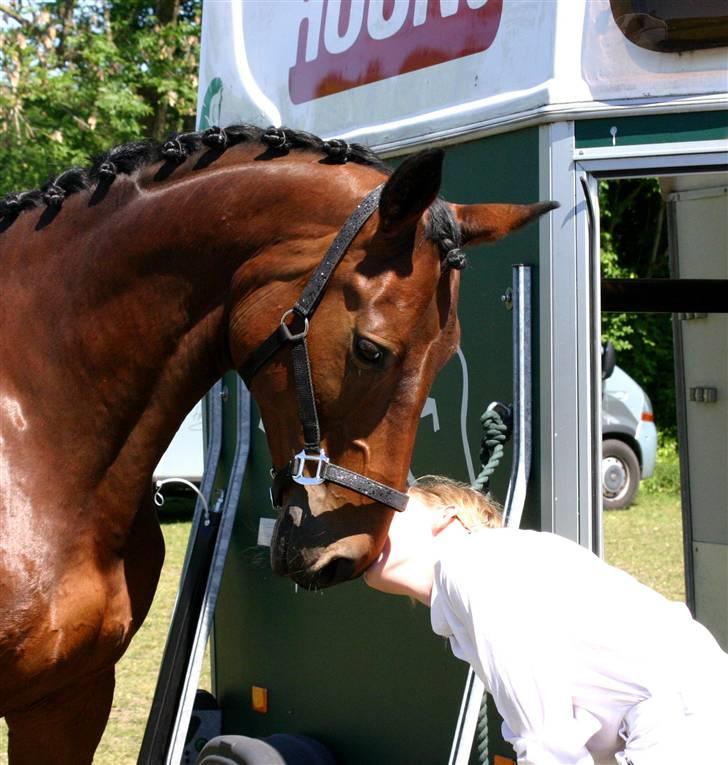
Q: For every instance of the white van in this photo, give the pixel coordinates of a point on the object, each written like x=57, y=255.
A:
x=629, y=439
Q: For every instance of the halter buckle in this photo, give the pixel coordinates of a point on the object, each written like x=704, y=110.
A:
x=292, y=337
x=299, y=463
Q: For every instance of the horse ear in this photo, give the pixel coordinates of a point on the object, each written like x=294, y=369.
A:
x=410, y=190
x=489, y=222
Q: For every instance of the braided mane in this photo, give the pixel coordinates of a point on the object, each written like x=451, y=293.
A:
x=129, y=157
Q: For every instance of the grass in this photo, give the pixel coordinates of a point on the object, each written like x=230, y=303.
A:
x=136, y=676
x=645, y=540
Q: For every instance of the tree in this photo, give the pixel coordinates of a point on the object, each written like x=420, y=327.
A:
x=79, y=76
x=634, y=244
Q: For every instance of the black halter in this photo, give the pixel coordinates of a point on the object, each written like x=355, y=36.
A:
x=292, y=329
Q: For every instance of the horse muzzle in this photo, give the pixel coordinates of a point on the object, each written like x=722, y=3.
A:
x=318, y=541
x=311, y=567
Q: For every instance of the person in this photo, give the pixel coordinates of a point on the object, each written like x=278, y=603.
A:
x=585, y=664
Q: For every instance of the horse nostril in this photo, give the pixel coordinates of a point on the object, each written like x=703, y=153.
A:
x=334, y=572
x=279, y=545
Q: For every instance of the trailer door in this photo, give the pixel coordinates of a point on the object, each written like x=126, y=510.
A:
x=698, y=235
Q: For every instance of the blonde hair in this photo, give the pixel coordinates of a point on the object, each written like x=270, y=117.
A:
x=474, y=509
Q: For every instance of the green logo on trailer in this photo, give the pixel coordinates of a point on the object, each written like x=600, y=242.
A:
x=211, y=104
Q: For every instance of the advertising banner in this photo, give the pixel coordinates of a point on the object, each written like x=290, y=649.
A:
x=409, y=71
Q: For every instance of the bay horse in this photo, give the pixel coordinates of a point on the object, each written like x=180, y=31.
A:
x=128, y=288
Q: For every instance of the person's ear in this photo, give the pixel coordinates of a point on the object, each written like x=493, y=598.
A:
x=444, y=516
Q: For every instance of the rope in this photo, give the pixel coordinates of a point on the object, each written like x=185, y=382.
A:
x=496, y=423
x=159, y=497
x=481, y=732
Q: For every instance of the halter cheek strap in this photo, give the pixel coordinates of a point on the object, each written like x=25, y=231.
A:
x=292, y=330
x=328, y=471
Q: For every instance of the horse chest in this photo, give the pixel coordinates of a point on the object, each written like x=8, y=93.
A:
x=80, y=626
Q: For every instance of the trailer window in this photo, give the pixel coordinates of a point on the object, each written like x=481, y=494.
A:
x=672, y=25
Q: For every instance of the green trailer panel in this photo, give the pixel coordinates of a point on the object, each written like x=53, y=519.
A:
x=652, y=129
x=360, y=671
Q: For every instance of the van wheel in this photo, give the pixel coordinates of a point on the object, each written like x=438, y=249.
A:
x=620, y=474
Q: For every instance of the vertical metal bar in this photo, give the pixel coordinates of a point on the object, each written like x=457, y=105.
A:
x=516, y=495
x=213, y=414
x=522, y=403
x=462, y=743
x=560, y=271
x=681, y=397
x=595, y=529
x=214, y=578
x=199, y=549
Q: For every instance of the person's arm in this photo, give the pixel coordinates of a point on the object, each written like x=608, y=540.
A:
x=536, y=706
x=515, y=650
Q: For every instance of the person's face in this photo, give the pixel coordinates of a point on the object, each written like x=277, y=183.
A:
x=406, y=549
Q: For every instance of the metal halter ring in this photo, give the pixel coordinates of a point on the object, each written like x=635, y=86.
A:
x=293, y=336
x=299, y=463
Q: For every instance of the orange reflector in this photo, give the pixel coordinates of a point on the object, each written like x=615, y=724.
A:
x=648, y=417
x=259, y=699
x=503, y=760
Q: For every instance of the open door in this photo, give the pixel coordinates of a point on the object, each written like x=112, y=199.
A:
x=697, y=212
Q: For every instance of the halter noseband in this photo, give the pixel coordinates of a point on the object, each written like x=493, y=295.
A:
x=293, y=329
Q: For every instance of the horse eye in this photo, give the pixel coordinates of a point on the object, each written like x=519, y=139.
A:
x=369, y=352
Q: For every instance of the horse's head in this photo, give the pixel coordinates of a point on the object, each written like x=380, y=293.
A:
x=385, y=323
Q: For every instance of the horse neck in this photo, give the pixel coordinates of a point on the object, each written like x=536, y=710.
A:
x=122, y=331
x=131, y=297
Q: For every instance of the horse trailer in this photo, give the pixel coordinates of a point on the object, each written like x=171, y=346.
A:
x=532, y=101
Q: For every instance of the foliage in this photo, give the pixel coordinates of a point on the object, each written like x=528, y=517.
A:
x=666, y=478
x=79, y=76
x=634, y=244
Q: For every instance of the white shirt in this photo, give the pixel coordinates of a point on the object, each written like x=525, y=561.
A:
x=582, y=660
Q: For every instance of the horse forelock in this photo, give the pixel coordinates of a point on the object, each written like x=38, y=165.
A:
x=127, y=158
x=442, y=228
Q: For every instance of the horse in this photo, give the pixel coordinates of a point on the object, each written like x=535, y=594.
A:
x=129, y=287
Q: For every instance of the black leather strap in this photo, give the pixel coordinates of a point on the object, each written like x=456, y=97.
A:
x=305, y=397
x=262, y=354
x=376, y=491
x=309, y=299
x=292, y=330
x=366, y=486
x=311, y=295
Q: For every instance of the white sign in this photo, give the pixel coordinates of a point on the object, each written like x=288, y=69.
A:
x=399, y=71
